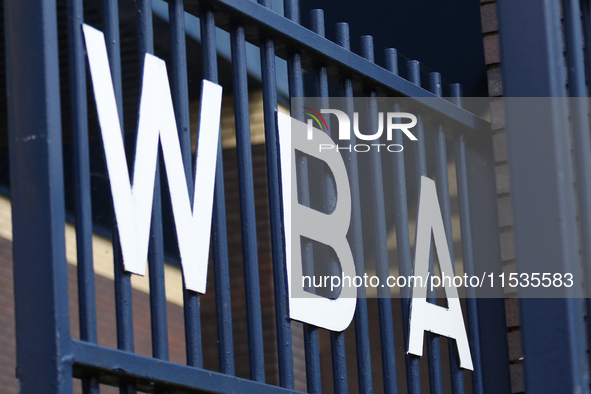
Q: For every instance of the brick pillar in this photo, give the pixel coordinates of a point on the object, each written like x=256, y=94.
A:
x=492, y=57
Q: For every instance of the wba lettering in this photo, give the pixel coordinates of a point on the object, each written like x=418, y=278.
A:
x=133, y=200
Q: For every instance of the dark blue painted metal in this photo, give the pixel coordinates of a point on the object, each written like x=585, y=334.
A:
x=180, y=96
x=296, y=89
x=338, y=60
x=36, y=169
x=320, y=73
x=291, y=10
x=86, y=297
x=247, y=206
x=122, y=279
x=123, y=308
x=282, y=322
x=157, y=287
x=123, y=299
x=577, y=90
x=145, y=36
x=442, y=182
x=192, y=316
x=433, y=350
x=112, y=41
x=586, y=16
x=355, y=234
x=413, y=377
x=147, y=371
x=311, y=345
x=337, y=339
x=312, y=350
x=82, y=176
x=156, y=247
x=179, y=85
x=380, y=239
x=573, y=34
x=219, y=233
x=354, y=73
x=467, y=248
x=545, y=229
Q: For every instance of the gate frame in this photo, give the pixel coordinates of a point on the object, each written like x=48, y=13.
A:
x=43, y=342
x=533, y=66
x=47, y=356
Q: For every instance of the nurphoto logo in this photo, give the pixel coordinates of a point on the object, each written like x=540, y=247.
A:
x=393, y=122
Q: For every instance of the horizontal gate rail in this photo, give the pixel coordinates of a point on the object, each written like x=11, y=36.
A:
x=260, y=22
x=151, y=373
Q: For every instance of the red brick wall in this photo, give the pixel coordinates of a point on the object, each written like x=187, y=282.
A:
x=7, y=339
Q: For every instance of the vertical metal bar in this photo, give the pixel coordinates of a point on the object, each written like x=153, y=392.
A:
x=442, y=182
x=156, y=248
x=296, y=89
x=467, y=249
x=86, y=295
x=145, y=35
x=433, y=350
x=577, y=90
x=285, y=353
x=219, y=233
x=247, y=206
x=413, y=379
x=112, y=41
x=545, y=228
x=337, y=339
x=586, y=16
x=291, y=10
x=573, y=33
x=355, y=234
x=179, y=85
x=380, y=241
x=123, y=299
x=312, y=350
x=36, y=169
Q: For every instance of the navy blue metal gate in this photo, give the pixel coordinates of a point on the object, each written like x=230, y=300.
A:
x=553, y=330
x=48, y=357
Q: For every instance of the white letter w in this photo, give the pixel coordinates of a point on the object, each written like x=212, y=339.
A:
x=133, y=202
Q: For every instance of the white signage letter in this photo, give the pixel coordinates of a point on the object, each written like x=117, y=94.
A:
x=425, y=316
x=301, y=221
x=133, y=202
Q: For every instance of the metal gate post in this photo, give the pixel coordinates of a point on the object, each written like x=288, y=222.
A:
x=541, y=165
x=37, y=192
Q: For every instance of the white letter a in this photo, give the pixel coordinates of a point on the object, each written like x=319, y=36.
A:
x=425, y=316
